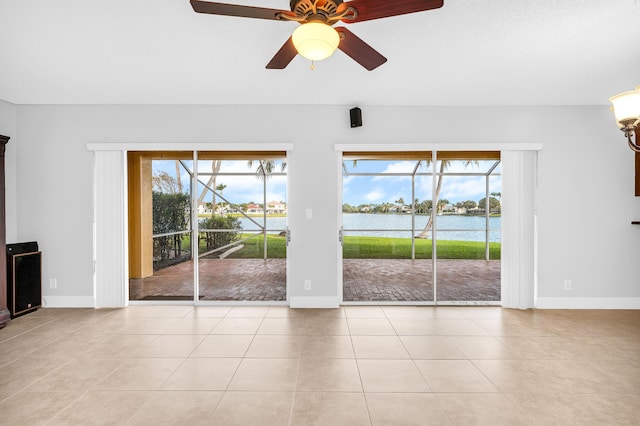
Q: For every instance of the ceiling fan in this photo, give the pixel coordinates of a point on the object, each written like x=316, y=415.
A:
x=315, y=38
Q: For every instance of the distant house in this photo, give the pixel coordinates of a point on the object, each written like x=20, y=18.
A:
x=365, y=209
x=203, y=209
x=224, y=209
x=448, y=208
x=254, y=209
x=276, y=207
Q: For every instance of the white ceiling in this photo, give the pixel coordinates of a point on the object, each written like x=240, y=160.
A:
x=469, y=52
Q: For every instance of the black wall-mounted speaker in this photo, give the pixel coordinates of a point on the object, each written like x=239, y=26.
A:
x=356, y=117
x=19, y=248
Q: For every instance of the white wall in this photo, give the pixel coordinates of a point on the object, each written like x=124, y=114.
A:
x=586, y=205
x=8, y=128
x=585, y=170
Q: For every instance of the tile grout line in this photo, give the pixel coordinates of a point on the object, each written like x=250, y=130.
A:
x=295, y=390
x=66, y=407
x=355, y=357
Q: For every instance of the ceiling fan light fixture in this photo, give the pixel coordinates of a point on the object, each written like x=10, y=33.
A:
x=315, y=40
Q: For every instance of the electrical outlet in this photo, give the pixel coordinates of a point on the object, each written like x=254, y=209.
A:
x=567, y=284
x=307, y=284
x=53, y=283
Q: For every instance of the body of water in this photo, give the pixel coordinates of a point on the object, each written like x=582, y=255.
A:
x=449, y=227
x=274, y=224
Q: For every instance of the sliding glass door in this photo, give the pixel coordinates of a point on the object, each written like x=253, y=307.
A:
x=227, y=208
x=415, y=227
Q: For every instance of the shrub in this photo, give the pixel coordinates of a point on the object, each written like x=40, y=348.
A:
x=231, y=226
x=171, y=213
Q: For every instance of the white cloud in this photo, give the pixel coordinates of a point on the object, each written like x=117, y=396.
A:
x=397, y=167
x=460, y=188
x=374, y=195
x=400, y=167
x=495, y=183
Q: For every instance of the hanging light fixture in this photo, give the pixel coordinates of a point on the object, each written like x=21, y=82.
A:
x=626, y=108
x=315, y=40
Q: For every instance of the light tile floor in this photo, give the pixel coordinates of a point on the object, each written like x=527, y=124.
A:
x=357, y=365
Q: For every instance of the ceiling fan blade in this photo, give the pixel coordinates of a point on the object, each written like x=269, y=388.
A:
x=359, y=51
x=284, y=56
x=237, y=10
x=375, y=9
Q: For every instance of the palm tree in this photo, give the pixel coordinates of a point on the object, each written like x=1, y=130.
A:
x=265, y=167
x=215, y=169
x=444, y=164
x=220, y=188
x=178, y=179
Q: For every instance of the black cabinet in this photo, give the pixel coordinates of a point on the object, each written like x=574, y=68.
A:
x=24, y=278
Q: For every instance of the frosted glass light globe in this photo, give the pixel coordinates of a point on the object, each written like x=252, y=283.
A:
x=626, y=106
x=315, y=40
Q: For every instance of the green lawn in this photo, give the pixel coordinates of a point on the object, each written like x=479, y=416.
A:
x=377, y=248
x=254, y=248
x=400, y=248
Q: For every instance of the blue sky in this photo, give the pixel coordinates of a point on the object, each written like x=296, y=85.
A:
x=380, y=189
x=356, y=189
x=239, y=189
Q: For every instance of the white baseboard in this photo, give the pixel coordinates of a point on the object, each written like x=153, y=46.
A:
x=334, y=302
x=314, y=302
x=68, y=302
x=588, y=303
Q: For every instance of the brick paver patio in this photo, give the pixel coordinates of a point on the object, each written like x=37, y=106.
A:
x=400, y=280
x=365, y=280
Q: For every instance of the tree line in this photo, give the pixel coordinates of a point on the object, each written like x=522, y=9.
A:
x=425, y=206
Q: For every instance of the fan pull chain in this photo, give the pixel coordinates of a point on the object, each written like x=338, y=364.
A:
x=313, y=66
